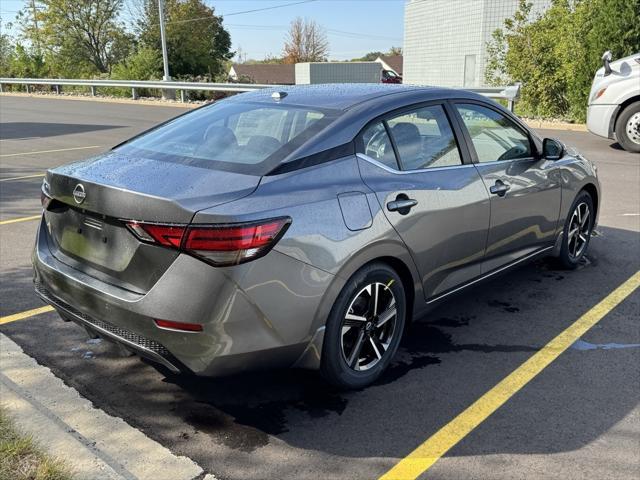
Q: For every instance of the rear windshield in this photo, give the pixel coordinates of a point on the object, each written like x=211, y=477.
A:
x=242, y=137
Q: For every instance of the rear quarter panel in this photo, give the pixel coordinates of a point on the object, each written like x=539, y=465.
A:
x=318, y=234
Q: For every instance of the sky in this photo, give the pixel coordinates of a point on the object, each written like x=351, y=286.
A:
x=353, y=27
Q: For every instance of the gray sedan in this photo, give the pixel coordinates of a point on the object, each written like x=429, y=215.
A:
x=304, y=226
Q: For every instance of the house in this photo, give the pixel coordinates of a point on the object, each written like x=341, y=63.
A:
x=445, y=40
x=263, y=73
x=391, y=62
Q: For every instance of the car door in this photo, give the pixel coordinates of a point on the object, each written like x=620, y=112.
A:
x=430, y=192
x=525, y=189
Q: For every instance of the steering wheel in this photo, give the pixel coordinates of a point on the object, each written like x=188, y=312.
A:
x=376, y=146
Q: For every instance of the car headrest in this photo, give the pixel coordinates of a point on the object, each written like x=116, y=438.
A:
x=222, y=136
x=406, y=133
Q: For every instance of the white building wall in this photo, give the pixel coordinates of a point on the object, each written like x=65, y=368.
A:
x=442, y=38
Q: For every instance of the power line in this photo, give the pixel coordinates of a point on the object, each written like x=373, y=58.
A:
x=267, y=8
x=197, y=19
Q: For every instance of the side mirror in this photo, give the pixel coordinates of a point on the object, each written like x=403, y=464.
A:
x=606, y=60
x=552, y=149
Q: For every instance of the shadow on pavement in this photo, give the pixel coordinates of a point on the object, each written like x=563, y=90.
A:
x=27, y=130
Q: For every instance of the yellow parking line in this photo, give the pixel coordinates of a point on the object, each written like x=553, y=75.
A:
x=21, y=219
x=22, y=315
x=22, y=178
x=423, y=457
x=48, y=151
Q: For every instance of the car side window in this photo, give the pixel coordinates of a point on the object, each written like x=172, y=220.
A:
x=377, y=145
x=494, y=136
x=424, y=139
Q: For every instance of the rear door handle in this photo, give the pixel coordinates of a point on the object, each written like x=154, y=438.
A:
x=401, y=205
x=500, y=188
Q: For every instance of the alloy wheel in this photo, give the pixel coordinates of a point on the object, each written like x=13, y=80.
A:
x=369, y=326
x=579, y=227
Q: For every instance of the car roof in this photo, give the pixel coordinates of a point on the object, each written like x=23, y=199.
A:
x=342, y=96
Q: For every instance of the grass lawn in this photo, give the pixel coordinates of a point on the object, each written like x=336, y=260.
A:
x=22, y=459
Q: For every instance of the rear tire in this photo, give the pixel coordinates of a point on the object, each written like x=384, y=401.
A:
x=577, y=231
x=628, y=128
x=364, y=328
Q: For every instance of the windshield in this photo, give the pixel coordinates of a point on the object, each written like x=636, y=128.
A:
x=249, y=138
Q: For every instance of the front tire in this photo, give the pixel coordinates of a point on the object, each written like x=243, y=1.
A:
x=577, y=231
x=364, y=327
x=628, y=128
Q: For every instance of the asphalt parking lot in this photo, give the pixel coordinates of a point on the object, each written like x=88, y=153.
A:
x=578, y=418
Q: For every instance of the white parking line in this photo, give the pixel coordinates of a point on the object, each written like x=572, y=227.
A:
x=49, y=151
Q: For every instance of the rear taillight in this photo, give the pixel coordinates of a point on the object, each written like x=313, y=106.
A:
x=220, y=245
x=165, y=235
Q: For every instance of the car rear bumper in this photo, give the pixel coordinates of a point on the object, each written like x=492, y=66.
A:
x=262, y=314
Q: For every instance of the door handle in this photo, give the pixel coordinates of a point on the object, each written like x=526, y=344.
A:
x=500, y=188
x=402, y=204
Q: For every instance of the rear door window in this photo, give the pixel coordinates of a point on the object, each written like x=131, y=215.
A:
x=424, y=139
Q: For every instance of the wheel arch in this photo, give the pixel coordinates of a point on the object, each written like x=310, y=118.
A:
x=591, y=189
x=621, y=108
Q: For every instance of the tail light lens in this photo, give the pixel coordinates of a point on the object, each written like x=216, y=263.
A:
x=220, y=245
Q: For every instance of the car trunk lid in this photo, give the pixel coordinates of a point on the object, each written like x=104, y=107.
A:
x=92, y=200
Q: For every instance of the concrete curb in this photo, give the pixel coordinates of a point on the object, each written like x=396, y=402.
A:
x=95, y=445
x=550, y=125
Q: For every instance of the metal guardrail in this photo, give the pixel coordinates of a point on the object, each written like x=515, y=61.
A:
x=509, y=93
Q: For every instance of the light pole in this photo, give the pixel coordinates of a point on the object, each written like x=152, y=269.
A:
x=171, y=94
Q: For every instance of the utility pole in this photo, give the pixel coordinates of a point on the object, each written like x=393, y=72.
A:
x=171, y=94
x=35, y=24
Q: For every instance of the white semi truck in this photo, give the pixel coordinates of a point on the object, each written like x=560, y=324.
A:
x=614, y=101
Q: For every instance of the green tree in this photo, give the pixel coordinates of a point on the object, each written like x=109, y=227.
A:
x=6, y=53
x=145, y=64
x=555, y=55
x=197, y=42
x=371, y=56
x=76, y=36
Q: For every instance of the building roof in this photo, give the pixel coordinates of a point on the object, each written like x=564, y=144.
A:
x=267, y=73
x=394, y=61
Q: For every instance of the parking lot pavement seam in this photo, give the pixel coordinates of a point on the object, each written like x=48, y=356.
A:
x=70, y=427
x=26, y=314
x=429, y=452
